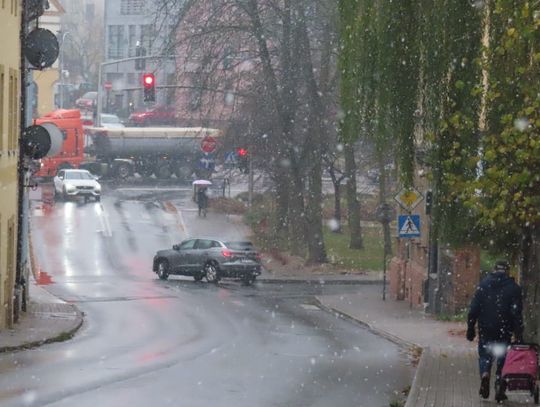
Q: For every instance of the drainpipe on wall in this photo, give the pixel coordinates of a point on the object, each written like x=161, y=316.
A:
x=21, y=275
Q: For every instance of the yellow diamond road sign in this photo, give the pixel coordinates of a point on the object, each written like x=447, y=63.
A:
x=409, y=198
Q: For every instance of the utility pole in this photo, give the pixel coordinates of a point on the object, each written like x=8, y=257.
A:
x=99, y=107
x=62, y=84
x=250, y=180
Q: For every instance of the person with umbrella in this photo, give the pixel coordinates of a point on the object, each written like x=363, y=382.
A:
x=202, y=195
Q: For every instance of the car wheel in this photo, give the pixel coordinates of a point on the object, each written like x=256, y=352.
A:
x=64, y=195
x=146, y=171
x=183, y=172
x=163, y=270
x=85, y=199
x=123, y=170
x=163, y=170
x=198, y=276
x=211, y=272
x=248, y=280
x=98, y=198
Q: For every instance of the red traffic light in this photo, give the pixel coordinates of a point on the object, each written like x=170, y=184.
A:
x=148, y=80
x=242, y=152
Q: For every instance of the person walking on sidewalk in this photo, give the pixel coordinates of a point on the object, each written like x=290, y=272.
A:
x=202, y=201
x=497, y=307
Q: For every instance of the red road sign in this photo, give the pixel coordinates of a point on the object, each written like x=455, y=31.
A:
x=208, y=144
x=107, y=85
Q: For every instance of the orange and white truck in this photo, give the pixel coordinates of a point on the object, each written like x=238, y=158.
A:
x=147, y=151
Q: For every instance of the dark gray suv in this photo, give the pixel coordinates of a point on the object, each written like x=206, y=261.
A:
x=209, y=258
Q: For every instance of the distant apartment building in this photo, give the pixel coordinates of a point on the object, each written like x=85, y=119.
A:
x=10, y=78
x=215, y=71
x=128, y=24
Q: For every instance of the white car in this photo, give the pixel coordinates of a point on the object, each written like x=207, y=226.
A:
x=68, y=183
x=111, y=121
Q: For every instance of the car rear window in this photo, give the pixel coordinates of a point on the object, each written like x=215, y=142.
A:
x=78, y=175
x=240, y=245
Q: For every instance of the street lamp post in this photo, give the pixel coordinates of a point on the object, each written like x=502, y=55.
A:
x=62, y=69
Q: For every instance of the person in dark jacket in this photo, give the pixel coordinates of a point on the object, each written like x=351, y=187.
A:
x=202, y=201
x=497, y=307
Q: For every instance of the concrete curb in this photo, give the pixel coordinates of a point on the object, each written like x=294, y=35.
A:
x=317, y=281
x=413, y=392
x=57, y=337
x=379, y=332
x=406, y=345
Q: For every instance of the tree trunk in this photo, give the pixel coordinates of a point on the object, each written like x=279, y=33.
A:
x=297, y=214
x=336, y=183
x=382, y=199
x=282, y=203
x=337, y=207
x=530, y=282
x=315, y=239
x=316, y=248
x=353, y=206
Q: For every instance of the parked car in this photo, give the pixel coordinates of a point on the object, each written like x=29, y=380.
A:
x=88, y=101
x=87, y=119
x=111, y=121
x=71, y=182
x=158, y=115
x=210, y=258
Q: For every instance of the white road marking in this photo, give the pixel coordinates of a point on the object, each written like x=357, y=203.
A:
x=154, y=189
x=182, y=222
x=310, y=307
x=104, y=220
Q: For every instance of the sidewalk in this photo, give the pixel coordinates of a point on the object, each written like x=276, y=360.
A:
x=447, y=374
x=48, y=319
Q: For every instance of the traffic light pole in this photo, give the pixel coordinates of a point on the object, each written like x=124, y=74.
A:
x=99, y=107
x=250, y=181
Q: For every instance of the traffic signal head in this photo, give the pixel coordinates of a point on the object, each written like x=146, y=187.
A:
x=429, y=202
x=149, y=85
x=242, y=152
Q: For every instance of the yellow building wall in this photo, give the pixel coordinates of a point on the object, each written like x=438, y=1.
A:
x=10, y=77
x=45, y=81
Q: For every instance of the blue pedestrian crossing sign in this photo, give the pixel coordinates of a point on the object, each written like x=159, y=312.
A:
x=409, y=226
x=230, y=159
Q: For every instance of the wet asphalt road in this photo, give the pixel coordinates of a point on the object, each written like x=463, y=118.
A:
x=177, y=342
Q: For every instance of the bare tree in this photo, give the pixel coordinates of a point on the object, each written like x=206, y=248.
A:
x=250, y=50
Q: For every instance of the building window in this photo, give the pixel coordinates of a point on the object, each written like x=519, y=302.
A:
x=13, y=111
x=131, y=7
x=116, y=41
x=132, y=40
x=90, y=10
x=196, y=93
x=2, y=89
x=147, y=33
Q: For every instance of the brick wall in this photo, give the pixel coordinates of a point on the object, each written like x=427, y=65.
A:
x=408, y=271
x=466, y=276
x=459, y=273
